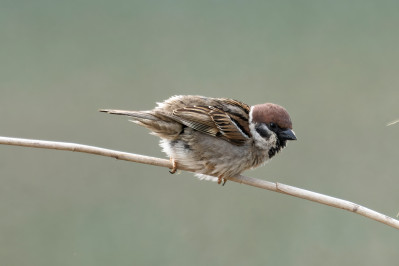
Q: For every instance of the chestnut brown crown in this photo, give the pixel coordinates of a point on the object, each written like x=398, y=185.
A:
x=271, y=113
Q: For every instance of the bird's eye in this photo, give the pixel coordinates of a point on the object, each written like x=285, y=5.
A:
x=272, y=125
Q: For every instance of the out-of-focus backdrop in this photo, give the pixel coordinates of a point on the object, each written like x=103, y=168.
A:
x=333, y=64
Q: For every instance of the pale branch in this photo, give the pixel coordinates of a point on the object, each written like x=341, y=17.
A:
x=393, y=122
x=276, y=187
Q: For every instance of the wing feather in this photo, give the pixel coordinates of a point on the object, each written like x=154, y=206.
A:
x=215, y=122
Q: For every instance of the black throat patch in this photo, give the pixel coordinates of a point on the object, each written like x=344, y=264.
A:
x=274, y=150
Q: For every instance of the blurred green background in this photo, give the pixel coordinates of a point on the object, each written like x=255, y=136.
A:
x=333, y=64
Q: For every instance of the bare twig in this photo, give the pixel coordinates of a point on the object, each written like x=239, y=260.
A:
x=393, y=122
x=276, y=187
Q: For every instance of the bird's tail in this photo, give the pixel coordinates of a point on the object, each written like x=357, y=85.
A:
x=135, y=115
x=160, y=125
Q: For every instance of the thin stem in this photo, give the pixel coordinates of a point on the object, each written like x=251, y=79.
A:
x=276, y=187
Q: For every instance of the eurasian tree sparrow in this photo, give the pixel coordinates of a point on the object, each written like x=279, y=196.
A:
x=215, y=137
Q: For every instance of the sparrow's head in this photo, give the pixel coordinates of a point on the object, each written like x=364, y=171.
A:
x=271, y=127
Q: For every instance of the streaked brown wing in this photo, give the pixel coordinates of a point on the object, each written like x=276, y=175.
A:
x=230, y=127
x=215, y=122
x=196, y=117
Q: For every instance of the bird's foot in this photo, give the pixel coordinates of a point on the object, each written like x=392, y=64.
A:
x=221, y=179
x=174, y=164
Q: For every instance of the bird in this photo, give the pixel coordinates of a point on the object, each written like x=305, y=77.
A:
x=216, y=138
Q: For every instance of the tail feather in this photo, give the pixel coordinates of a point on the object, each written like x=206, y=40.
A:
x=159, y=124
x=133, y=114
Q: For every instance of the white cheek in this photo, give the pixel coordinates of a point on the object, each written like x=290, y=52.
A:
x=259, y=141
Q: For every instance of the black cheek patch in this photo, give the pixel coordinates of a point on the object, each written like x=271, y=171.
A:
x=262, y=130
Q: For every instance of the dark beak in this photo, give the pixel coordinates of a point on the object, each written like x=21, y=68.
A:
x=287, y=134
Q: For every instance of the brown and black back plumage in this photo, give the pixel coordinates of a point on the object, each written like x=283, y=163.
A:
x=206, y=115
